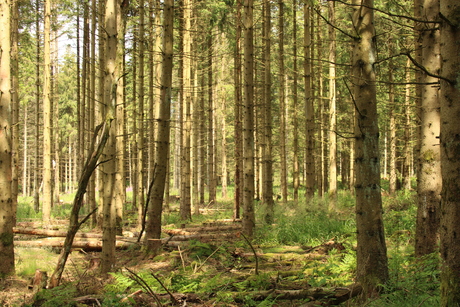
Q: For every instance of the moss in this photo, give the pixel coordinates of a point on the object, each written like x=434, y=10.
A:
x=429, y=155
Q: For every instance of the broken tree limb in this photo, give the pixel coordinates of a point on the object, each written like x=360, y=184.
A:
x=74, y=224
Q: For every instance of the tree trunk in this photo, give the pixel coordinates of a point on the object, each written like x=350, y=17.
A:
x=429, y=180
x=162, y=117
x=47, y=188
x=238, y=125
x=295, y=102
x=332, y=110
x=37, y=112
x=212, y=184
x=108, y=190
x=267, y=168
x=372, y=262
x=7, y=210
x=248, y=120
x=309, y=109
x=450, y=152
x=282, y=101
x=15, y=104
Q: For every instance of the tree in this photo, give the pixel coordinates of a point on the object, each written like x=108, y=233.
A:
x=282, y=102
x=162, y=131
x=7, y=210
x=248, y=120
x=309, y=109
x=372, y=262
x=450, y=152
x=109, y=171
x=332, y=109
x=47, y=187
x=429, y=179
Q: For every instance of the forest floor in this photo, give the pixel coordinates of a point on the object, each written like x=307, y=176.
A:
x=303, y=259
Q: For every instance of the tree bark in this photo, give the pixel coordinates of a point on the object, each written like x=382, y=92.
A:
x=372, y=262
x=450, y=152
x=248, y=120
x=309, y=109
x=6, y=196
x=429, y=180
x=162, y=124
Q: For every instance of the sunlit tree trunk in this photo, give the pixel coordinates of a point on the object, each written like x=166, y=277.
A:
x=407, y=155
x=248, y=120
x=450, y=152
x=47, y=186
x=141, y=116
x=7, y=210
x=392, y=115
x=332, y=110
x=108, y=188
x=429, y=181
x=185, y=208
x=372, y=262
x=212, y=180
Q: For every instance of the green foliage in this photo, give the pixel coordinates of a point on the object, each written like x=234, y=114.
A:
x=413, y=282
x=61, y=296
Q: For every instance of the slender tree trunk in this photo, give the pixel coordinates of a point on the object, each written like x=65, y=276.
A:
x=267, y=166
x=47, y=185
x=212, y=184
x=162, y=117
x=141, y=117
x=108, y=189
x=238, y=124
x=372, y=262
x=37, y=112
x=309, y=109
x=429, y=180
x=15, y=104
x=450, y=153
x=248, y=120
x=407, y=157
x=295, y=102
x=282, y=101
x=332, y=110
x=7, y=210
x=185, y=209
x=392, y=107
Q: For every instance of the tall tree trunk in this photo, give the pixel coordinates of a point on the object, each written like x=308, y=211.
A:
x=47, y=185
x=295, y=102
x=37, y=111
x=392, y=111
x=282, y=101
x=162, y=117
x=238, y=124
x=309, y=109
x=407, y=155
x=15, y=104
x=267, y=166
x=185, y=208
x=140, y=130
x=6, y=196
x=108, y=190
x=212, y=182
x=332, y=110
x=372, y=262
x=248, y=120
x=429, y=180
x=450, y=153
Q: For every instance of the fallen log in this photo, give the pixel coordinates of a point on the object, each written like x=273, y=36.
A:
x=58, y=233
x=202, y=236
x=334, y=296
x=193, y=230
x=94, y=245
